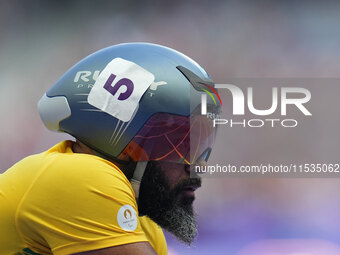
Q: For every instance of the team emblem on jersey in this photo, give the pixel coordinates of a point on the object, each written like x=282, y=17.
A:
x=127, y=218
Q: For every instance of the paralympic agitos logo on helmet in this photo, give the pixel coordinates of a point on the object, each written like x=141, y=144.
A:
x=240, y=99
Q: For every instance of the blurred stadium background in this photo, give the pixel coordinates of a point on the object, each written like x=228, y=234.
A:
x=40, y=40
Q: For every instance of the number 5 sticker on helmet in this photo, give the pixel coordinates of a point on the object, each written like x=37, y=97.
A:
x=119, y=88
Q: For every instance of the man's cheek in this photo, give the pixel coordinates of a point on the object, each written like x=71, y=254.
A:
x=174, y=173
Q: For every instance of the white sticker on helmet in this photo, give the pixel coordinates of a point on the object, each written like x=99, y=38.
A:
x=119, y=88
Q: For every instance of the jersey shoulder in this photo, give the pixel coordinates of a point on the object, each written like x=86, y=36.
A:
x=154, y=234
x=77, y=169
x=79, y=202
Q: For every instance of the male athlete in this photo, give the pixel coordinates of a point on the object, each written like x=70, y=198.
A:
x=135, y=113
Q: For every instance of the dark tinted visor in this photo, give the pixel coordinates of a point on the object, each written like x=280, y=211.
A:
x=173, y=138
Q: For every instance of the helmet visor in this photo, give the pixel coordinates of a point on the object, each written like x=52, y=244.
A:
x=172, y=138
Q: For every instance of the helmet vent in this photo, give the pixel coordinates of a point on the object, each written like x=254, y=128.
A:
x=52, y=110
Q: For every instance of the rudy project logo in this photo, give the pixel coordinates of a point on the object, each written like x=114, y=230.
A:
x=300, y=98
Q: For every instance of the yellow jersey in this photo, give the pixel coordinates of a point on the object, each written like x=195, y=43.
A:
x=60, y=202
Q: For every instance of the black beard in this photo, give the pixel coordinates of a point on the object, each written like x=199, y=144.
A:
x=164, y=205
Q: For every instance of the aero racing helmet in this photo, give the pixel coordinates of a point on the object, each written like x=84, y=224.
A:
x=135, y=101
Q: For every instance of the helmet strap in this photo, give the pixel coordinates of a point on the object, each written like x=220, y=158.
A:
x=137, y=176
x=138, y=173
